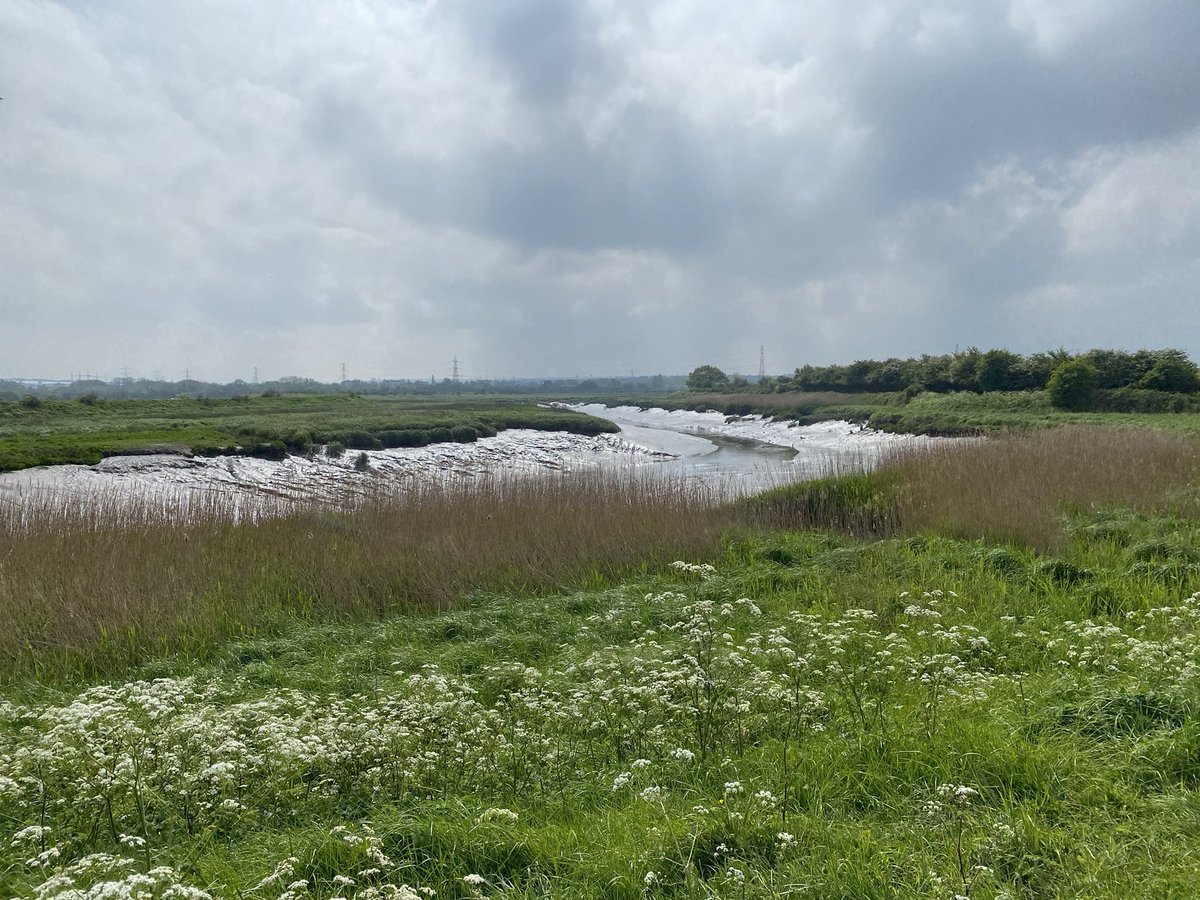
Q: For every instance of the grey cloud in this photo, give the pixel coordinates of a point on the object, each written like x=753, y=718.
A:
x=940, y=113
x=654, y=189
x=542, y=45
x=536, y=185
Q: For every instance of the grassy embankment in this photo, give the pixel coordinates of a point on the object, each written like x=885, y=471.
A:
x=955, y=414
x=52, y=432
x=922, y=713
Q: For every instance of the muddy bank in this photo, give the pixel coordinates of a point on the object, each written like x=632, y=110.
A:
x=189, y=481
x=735, y=456
x=751, y=452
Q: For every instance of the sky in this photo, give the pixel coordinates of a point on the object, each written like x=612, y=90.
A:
x=547, y=188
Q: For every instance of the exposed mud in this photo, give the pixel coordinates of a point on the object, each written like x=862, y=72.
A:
x=741, y=455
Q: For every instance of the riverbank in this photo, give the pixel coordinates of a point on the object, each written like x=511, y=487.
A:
x=37, y=432
x=730, y=457
x=953, y=414
x=271, y=485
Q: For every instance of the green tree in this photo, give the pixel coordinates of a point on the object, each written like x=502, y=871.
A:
x=707, y=378
x=1172, y=372
x=1038, y=367
x=963, y=369
x=1073, y=384
x=998, y=370
x=934, y=373
x=1117, y=368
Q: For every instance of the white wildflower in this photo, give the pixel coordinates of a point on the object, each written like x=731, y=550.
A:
x=498, y=814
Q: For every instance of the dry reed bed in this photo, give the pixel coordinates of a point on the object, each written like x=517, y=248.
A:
x=103, y=584
x=100, y=584
x=1017, y=487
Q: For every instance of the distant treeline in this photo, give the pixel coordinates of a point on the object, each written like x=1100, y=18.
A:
x=974, y=370
x=141, y=388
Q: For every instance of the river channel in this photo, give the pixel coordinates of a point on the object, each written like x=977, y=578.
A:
x=744, y=454
x=735, y=456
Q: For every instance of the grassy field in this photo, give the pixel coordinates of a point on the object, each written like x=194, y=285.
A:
x=954, y=414
x=50, y=432
x=980, y=678
x=811, y=716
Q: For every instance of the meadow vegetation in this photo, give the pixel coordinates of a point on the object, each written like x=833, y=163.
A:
x=952, y=414
x=1016, y=488
x=968, y=674
x=968, y=392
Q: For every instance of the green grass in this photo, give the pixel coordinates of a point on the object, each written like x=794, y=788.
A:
x=62, y=431
x=953, y=414
x=966, y=413
x=985, y=682
x=531, y=739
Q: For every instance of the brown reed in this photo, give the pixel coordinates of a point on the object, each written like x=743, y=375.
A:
x=1019, y=487
x=97, y=584
x=104, y=582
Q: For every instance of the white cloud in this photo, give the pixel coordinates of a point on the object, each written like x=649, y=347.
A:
x=1144, y=202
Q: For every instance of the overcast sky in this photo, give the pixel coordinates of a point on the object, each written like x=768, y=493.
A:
x=541, y=187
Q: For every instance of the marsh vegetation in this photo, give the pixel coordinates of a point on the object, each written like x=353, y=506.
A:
x=970, y=673
x=53, y=432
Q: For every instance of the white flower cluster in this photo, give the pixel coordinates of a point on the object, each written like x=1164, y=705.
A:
x=702, y=570
x=689, y=687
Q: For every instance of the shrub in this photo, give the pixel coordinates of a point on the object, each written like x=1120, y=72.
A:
x=360, y=440
x=707, y=378
x=362, y=463
x=299, y=441
x=335, y=449
x=410, y=437
x=1073, y=385
x=1062, y=572
x=463, y=434
x=1003, y=561
x=440, y=435
x=265, y=449
x=31, y=402
x=1172, y=373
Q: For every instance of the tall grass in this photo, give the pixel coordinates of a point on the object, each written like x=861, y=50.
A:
x=1015, y=488
x=1019, y=487
x=96, y=585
